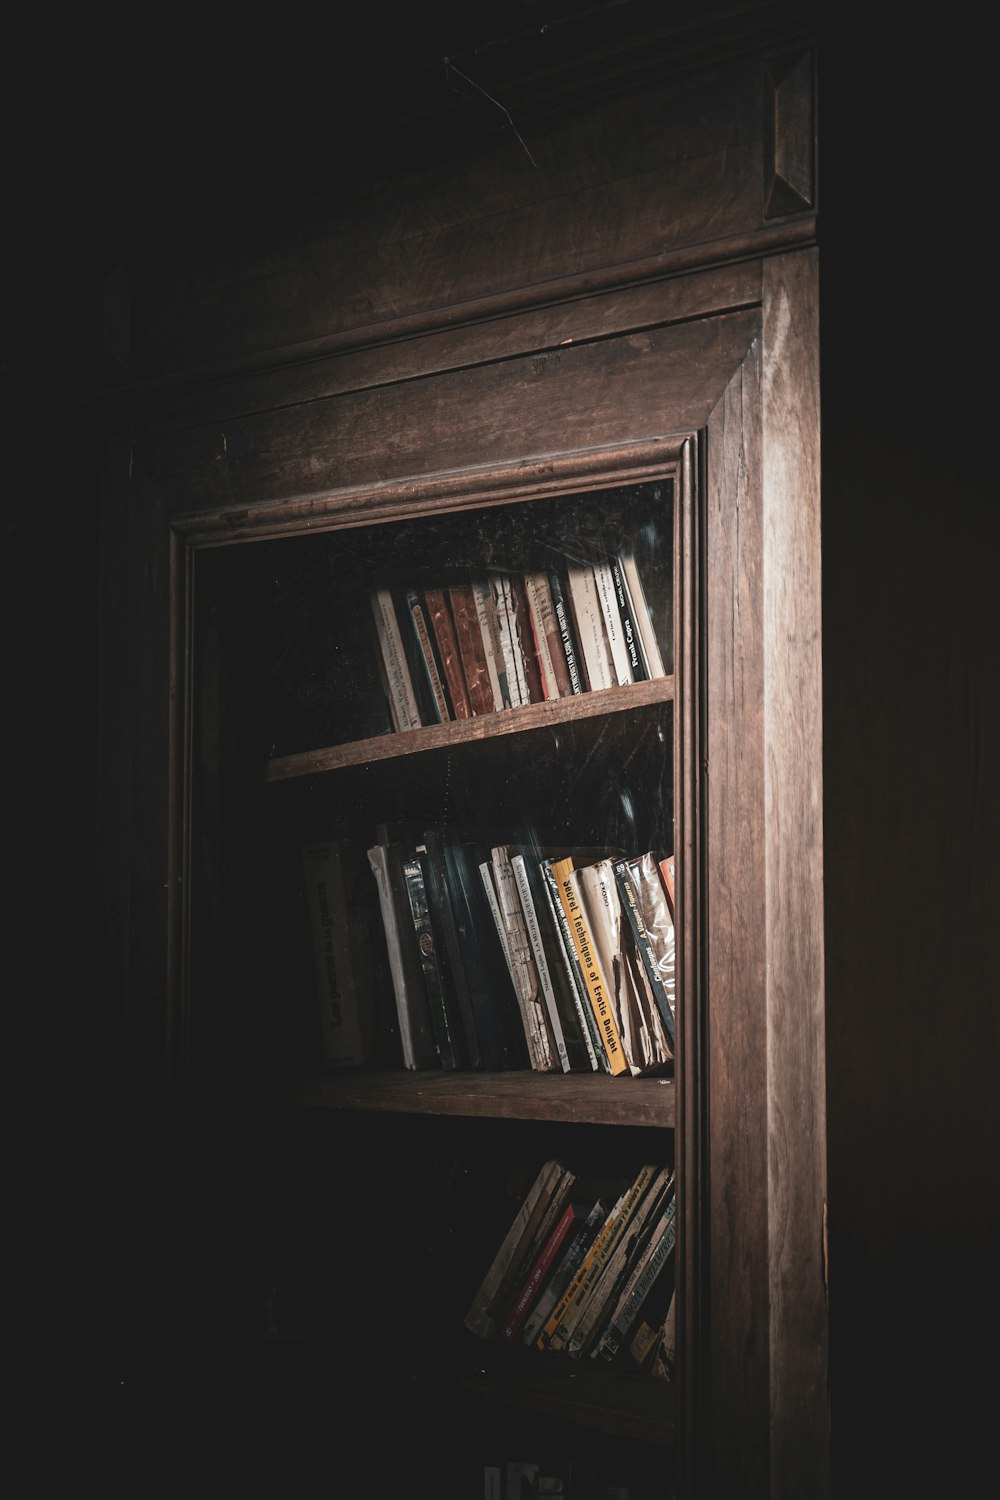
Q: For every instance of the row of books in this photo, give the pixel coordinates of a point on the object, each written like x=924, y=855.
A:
x=505, y=639
x=585, y=1278
x=507, y=955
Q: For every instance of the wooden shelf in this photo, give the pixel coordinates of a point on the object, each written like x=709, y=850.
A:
x=466, y=731
x=602, y=1398
x=573, y=1098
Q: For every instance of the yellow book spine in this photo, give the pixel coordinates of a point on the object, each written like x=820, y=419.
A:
x=593, y=978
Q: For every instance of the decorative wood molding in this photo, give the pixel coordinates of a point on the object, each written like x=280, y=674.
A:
x=789, y=135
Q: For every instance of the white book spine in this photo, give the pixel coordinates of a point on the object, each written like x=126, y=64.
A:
x=508, y=640
x=590, y=625
x=541, y=961
x=396, y=671
x=643, y=619
x=608, y=595
x=495, y=665
x=522, y=961
x=376, y=858
x=542, y=611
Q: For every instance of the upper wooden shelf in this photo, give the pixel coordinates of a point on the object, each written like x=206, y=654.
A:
x=573, y=1098
x=464, y=731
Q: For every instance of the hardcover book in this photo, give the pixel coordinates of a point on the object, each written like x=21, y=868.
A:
x=589, y=627
x=643, y=618
x=571, y=1037
x=658, y=923
x=489, y=627
x=493, y=1018
x=571, y=1218
x=552, y=1185
x=570, y=965
x=457, y=996
x=548, y=640
x=608, y=595
x=438, y=709
x=443, y=628
x=426, y=940
x=618, y=1271
x=657, y=977
x=593, y=979
x=395, y=668
x=567, y=634
x=648, y=1266
x=630, y=630
x=471, y=651
x=415, y=1030
x=563, y=1319
x=564, y=1271
x=524, y=637
x=513, y=663
x=541, y=1043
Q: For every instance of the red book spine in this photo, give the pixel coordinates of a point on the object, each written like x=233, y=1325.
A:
x=521, y=1305
x=469, y=635
x=451, y=662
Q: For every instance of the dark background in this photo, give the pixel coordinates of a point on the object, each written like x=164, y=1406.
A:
x=120, y=138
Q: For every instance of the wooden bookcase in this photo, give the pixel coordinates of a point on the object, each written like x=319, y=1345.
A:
x=638, y=312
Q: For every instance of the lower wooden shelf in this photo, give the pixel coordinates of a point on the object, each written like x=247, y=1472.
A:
x=600, y=1398
x=558, y=1097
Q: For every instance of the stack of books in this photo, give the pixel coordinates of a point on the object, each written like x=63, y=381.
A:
x=506, y=955
x=504, y=639
x=583, y=1276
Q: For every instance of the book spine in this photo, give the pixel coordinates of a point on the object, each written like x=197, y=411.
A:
x=470, y=648
x=652, y=899
x=643, y=618
x=632, y=1242
x=630, y=631
x=541, y=961
x=416, y=1036
x=593, y=978
x=480, y=1318
x=529, y=1290
x=639, y=1285
x=451, y=662
x=428, y=657
x=443, y=919
x=588, y=618
x=522, y=960
x=508, y=639
x=564, y=1272
x=397, y=677
x=489, y=628
x=524, y=640
x=427, y=948
x=633, y=913
x=567, y=955
x=548, y=642
x=564, y=1319
x=608, y=596
x=567, y=635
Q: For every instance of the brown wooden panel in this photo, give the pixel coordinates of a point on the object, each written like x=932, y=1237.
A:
x=793, y=843
x=333, y=365
x=582, y=397
x=736, y=915
x=622, y=180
